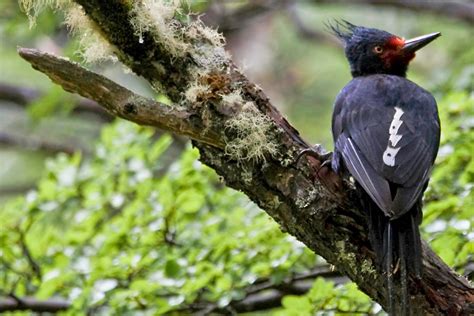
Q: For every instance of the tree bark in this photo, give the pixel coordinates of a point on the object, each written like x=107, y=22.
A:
x=309, y=202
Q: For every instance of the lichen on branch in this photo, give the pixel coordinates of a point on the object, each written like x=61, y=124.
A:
x=161, y=19
x=93, y=47
x=158, y=19
x=34, y=7
x=251, y=132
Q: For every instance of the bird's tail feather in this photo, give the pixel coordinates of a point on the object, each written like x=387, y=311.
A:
x=397, y=247
x=388, y=262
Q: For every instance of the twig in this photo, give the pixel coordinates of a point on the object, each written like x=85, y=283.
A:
x=29, y=257
x=290, y=284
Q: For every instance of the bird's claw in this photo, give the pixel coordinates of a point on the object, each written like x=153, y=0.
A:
x=317, y=152
x=327, y=160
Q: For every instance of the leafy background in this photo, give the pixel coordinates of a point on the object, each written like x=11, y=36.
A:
x=121, y=219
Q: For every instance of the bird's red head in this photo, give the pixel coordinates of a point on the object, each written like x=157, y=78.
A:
x=372, y=51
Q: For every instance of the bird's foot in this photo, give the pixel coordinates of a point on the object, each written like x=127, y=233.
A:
x=318, y=152
x=323, y=168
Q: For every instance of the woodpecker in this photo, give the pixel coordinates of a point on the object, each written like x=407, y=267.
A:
x=386, y=133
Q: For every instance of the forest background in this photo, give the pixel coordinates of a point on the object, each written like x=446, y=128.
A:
x=100, y=216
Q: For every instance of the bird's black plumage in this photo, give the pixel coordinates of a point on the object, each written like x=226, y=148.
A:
x=363, y=114
x=386, y=134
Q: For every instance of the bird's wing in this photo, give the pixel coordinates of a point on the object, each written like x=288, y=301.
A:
x=388, y=141
x=376, y=186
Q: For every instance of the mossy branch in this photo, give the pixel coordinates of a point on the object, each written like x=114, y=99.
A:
x=118, y=100
x=310, y=203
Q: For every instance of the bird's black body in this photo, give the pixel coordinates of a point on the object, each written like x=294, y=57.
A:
x=366, y=112
x=386, y=134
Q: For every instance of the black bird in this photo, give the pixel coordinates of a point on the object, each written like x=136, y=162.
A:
x=386, y=133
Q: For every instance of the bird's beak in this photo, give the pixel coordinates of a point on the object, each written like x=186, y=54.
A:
x=414, y=44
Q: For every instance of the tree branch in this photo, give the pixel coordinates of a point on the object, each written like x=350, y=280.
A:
x=13, y=303
x=459, y=10
x=18, y=95
x=265, y=294
x=228, y=21
x=298, y=281
x=36, y=143
x=308, y=202
x=16, y=190
x=307, y=32
x=116, y=99
x=24, y=96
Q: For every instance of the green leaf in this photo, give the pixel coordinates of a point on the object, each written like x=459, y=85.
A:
x=297, y=304
x=172, y=268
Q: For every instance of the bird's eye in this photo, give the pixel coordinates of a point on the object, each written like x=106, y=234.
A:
x=378, y=49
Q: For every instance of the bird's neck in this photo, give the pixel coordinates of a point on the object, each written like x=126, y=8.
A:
x=358, y=73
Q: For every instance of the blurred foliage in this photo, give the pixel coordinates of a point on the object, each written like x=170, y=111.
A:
x=449, y=210
x=113, y=238
x=324, y=297
x=54, y=101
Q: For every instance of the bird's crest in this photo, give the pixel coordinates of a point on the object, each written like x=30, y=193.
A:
x=342, y=29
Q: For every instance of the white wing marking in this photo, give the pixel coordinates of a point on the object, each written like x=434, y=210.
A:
x=394, y=139
x=391, y=151
x=389, y=156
